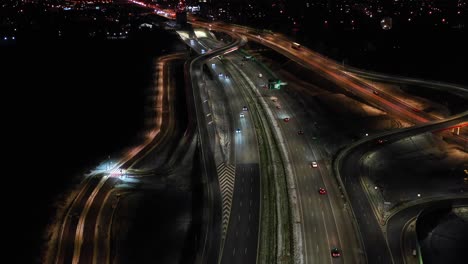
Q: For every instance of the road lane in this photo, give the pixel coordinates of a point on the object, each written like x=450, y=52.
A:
x=242, y=237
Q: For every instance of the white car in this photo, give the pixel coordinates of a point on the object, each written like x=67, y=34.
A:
x=238, y=130
x=260, y=75
x=241, y=115
x=314, y=164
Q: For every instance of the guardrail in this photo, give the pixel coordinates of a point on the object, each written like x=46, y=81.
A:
x=449, y=87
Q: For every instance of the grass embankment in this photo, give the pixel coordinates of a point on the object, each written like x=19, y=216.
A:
x=275, y=238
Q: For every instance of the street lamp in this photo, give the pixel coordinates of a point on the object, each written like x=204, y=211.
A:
x=419, y=195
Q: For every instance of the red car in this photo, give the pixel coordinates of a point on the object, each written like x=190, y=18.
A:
x=286, y=119
x=335, y=253
x=322, y=191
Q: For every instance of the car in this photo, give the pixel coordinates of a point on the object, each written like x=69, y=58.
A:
x=244, y=108
x=375, y=92
x=241, y=115
x=286, y=119
x=381, y=141
x=260, y=75
x=300, y=132
x=335, y=252
x=278, y=106
x=238, y=130
x=322, y=191
x=220, y=74
x=226, y=76
x=314, y=164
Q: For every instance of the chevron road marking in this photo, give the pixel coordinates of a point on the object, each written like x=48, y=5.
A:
x=227, y=177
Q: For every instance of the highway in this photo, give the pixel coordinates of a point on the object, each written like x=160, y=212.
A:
x=324, y=217
x=452, y=88
x=355, y=86
x=328, y=69
x=242, y=235
x=212, y=214
x=240, y=244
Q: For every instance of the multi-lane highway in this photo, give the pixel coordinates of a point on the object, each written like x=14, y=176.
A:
x=207, y=138
x=328, y=69
x=351, y=84
x=323, y=216
x=240, y=243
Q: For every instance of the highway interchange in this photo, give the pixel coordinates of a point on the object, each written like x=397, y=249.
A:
x=377, y=251
x=343, y=218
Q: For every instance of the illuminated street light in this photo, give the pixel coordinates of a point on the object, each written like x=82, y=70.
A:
x=419, y=195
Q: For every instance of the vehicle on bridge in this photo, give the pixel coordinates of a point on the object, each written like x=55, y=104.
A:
x=295, y=45
x=322, y=191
